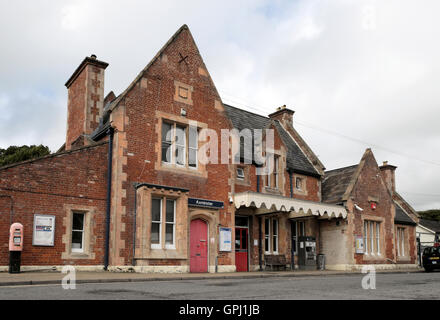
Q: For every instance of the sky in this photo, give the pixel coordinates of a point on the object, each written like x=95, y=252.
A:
x=358, y=73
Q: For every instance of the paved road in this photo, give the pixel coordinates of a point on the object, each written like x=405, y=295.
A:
x=388, y=286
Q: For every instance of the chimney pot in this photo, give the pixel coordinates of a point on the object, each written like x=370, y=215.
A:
x=93, y=56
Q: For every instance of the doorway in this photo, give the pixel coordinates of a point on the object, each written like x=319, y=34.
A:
x=198, y=246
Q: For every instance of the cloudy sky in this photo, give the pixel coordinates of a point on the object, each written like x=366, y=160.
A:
x=359, y=73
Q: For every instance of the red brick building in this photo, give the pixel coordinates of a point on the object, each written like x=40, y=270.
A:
x=128, y=189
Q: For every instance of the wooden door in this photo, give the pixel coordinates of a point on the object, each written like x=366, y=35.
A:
x=198, y=246
x=241, y=249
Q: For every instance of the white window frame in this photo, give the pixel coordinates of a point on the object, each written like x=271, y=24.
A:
x=274, y=236
x=275, y=170
x=269, y=236
x=78, y=250
x=378, y=237
x=194, y=148
x=300, y=183
x=184, y=145
x=366, y=236
x=173, y=245
x=157, y=245
x=401, y=242
x=372, y=237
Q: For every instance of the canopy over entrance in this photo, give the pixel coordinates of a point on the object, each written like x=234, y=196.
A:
x=295, y=207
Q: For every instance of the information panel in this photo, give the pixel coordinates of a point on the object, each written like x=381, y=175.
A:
x=359, y=244
x=225, y=239
x=44, y=230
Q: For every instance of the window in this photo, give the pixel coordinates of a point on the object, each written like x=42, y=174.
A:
x=274, y=235
x=170, y=223
x=372, y=237
x=156, y=222
x=266, y=235
x=240, y=173
x=365, y=236
x=271, y=235
x=78, y=232
x=401, y=242
x=178, y=147
x=273, y=174
x=160, y=207
x=377, y=238
x=298, y=183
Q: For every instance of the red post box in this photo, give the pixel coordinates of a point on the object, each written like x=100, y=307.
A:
x=15, y=247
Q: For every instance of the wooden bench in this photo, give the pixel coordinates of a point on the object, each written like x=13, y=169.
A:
x=272, y=260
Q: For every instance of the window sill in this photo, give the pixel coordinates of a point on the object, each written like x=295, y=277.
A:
x=181, y=170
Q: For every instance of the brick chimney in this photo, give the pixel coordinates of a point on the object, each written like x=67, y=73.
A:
x=284, y=115
x=85, y=100
x=387, y=172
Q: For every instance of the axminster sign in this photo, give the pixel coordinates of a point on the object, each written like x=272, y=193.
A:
x=195, y=202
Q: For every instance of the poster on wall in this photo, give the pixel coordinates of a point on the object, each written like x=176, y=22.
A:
x=225, y=239
x=44, y=230
x=359, y=244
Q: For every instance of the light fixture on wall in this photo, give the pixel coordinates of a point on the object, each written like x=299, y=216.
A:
x=358, y=208
x=182, y=112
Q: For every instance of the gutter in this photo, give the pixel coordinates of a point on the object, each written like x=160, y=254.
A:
x=110, y=133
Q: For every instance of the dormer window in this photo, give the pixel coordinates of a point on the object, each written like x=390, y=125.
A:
x=273, y=175
x=240, y=173
x=299, y=183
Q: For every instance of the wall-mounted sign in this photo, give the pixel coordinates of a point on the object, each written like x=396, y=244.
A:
x=44, y=230
x=373, y=205
x=225, y=241
x=194, y=202
x=359, y=244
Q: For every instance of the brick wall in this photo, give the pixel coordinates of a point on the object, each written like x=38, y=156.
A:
x=46, y=186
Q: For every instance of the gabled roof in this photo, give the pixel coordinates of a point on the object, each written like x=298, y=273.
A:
x=336, y=183
x=430, y=224
x=296, y=159
x=401, y=216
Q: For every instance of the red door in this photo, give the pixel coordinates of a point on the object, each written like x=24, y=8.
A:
x=241, y=249
x=198, y=246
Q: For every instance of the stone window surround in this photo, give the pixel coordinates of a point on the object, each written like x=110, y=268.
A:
x=144, y=250
x=406, y=255
x=171, y=118
x=381, y=221
x=88, y=232
x=303, y=190
x=281, y=169
x=246, y=170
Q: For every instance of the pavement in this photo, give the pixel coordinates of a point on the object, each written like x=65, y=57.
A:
x=55, y=277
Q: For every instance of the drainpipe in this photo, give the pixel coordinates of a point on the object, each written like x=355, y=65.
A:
x=134, y=223
x=110, y=133
x=258, y=183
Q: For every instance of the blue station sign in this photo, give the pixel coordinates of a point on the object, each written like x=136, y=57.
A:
x=194, y=202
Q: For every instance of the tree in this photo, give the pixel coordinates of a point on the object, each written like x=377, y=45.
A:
x=433, y=214
x=15, y=154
